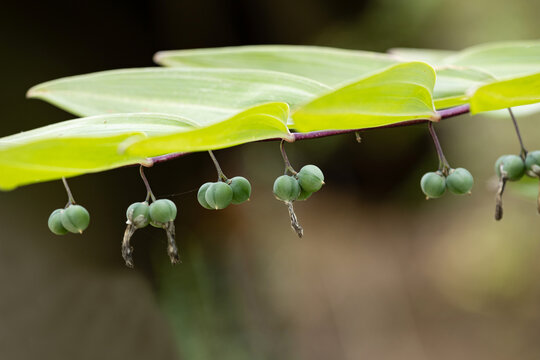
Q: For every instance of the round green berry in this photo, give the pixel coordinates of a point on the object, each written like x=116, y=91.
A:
x=286, y=188
x=533, y=160
x=138, y=214
x=201, y=195
x=241, y=189
x=512, y=165
x=433, y=184
x=310, y=178
x=55, y=223
x=161, y=212
x=304, y=195
x=75, y=218
x=219, y=195
x=459, y=181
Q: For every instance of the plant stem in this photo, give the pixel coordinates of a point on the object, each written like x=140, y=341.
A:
x=444, y=114
x=288, y=166
x=523, y=150
x=221, y=175
x=443, y=164
x=149, y=193
x=71, y=200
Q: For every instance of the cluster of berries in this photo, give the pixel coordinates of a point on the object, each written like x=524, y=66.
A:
x=74, y=219
x=299, y=186
x=513, y=167
x=158, y=214
x=218, y=195
x=458, y=181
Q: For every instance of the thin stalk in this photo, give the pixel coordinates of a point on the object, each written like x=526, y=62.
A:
x=71, y=200
x=518, y=133
x=443, y=164
x=149, y=193
x=221, y=175
x=288, y=166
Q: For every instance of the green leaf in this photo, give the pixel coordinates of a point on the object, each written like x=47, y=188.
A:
x=98, y=143
x=453, y=83
x=257, y=123
x=399, y=93
x=502, y=60
x=205, y=95
x=327, y=65
x=508, y=93
x=78, y=146
x=431, y=56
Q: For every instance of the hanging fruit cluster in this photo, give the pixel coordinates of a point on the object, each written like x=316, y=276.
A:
x=290, y=187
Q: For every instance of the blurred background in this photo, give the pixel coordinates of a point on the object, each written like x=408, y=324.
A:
x=380, y=274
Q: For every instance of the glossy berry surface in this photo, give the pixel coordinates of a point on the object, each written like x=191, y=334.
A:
x=219, y=195
x=433, y=185
x=162, y=211
x=55, y=223
x=138, y=214
x=241, y=189
x=202, y=194
x=75, y=219
x=310, y=178
x=286, y=188
x=459, y=181
x=512, y=165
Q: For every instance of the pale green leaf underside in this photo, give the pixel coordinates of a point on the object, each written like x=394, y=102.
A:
x=95, y=144
x=477, y=66
x=433, y=57
x=204, y=95
x=329, y=66
x=453, y=83
x=53, y=158
x=399, y=93
x=78, y=146
x=257, y=123
x=504, y=94
x=502, y=60
x=333, y=67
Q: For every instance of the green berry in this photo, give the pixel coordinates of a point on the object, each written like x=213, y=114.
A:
x=459, y=181
x=310, y=178
x=512, y=165
x=219, y=195
x=55, y=223
x=532, y=159
x=201, y=195
x=161, y=212
x=138, y=214
x=304, y=195
x=286, y=188
x=433, y=184
x=75, y=218
x=241, y=189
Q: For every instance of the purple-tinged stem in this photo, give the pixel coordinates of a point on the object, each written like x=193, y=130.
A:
x=444, y=114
